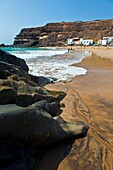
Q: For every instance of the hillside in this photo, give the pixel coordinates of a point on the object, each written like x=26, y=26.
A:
x=53, y=34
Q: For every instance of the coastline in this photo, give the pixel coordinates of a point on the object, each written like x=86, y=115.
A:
x=50, y=62
x=89, y=99
x=103, y=51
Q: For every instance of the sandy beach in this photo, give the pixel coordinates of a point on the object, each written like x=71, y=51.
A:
x=90, y=99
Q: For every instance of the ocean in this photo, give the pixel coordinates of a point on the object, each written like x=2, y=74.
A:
x=50, y=62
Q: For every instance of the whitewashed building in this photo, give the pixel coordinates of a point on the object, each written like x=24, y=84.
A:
x=79, y=41
x=87, y=42
x=70, y=41
x=105, y=40
x=108, y=39
x=102, y=42
x=74, y=41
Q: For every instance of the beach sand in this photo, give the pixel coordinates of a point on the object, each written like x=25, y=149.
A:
x=90, y=99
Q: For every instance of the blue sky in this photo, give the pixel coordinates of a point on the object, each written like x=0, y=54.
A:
x=18, y=14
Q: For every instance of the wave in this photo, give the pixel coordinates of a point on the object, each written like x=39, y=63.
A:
x=54, y=63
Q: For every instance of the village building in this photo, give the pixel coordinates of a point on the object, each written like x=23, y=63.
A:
x=105, y=41
x=79, y=41
x=87, y=42
x=108, y=39
x=74, y=41
x=102, y=42
x=70, y=41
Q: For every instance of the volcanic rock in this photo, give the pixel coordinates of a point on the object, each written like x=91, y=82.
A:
x=11, y=59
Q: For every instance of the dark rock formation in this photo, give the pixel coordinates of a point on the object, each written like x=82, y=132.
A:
x=34, y=126
x=57, y=33
x=29, y=117
x=7, y=68
x=11, y=59
x=17, y=86
x=2, y=45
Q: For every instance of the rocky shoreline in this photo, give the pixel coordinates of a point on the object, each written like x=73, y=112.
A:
x=30, y=118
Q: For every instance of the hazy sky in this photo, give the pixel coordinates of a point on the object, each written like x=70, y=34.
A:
x=18, y=14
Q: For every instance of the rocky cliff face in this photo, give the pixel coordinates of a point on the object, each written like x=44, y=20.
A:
x=54, y=34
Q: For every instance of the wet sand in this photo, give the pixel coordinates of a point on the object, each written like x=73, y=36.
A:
x=90, y=99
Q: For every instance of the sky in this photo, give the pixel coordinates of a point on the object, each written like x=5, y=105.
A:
x=18, y=14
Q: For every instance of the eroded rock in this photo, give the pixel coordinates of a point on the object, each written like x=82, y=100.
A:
x=11, y=59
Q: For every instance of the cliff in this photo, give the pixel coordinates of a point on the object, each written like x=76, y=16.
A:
x=53, y=34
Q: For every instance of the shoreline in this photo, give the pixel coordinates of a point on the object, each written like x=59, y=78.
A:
x=98, y=50
x=99, y=71
x=89, y=99
x=57, y=65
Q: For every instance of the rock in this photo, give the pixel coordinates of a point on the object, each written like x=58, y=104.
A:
x=8, y=68
x=23, y=94
x=7, y=95
x=42, y=81
x=16, y=156
x=24, y=132
x=19, y=87
x=56, y=34
x=33, y=126
x=52, y=108
x=2, y=45
x=11, y=59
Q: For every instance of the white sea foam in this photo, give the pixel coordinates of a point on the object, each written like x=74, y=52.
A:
x=52, y=63
x=28, y=54
x=56, y=70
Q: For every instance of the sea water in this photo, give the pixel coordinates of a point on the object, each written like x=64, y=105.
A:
x=50, y=62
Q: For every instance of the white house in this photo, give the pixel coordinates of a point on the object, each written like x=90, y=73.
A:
x=102, y=42
x=87, y=42
x=77, y=41
x=74, y=41
x=108, y=39
x=105, y=40
x=70, y=41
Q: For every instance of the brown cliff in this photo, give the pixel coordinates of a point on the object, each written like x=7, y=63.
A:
x=53, y=34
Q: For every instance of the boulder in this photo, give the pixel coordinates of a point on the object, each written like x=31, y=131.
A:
x=24, y=132
x=11, y=59
x=33, y=126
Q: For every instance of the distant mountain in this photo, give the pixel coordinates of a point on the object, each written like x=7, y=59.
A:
x=53, y=34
